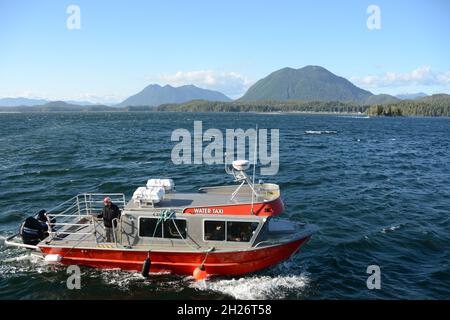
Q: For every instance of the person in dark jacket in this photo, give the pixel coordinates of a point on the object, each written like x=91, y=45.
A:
x=109, y=213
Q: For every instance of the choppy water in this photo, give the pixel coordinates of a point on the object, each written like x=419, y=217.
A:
x=378, y=188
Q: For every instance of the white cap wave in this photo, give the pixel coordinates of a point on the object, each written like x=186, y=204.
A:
x=255, y=287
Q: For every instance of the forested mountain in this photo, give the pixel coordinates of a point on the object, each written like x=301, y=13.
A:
x=311, y=83
x=155, y=95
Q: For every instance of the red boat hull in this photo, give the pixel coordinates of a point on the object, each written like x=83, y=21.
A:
x=183, y=263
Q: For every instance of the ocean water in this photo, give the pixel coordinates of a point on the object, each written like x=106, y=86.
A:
x=378, y=188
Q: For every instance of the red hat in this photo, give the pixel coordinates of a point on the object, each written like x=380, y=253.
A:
x=107, y=200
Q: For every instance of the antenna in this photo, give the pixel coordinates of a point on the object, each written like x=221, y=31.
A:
x=254, y=165
x=225, y=162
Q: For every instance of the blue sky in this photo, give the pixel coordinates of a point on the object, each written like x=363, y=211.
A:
x=122, y=46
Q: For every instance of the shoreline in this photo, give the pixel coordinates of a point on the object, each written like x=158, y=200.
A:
x=339, y=114
x=155, y=111
x=308, y=112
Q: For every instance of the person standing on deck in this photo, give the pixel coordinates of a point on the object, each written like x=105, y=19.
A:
x=109, y=213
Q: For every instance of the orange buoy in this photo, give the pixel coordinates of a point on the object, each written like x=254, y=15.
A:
x=199, y=273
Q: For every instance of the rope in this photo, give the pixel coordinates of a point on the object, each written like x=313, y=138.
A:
x=74, y=246
x=166, y=215
x=185, y=241
x=161, y=217
x=206, y=256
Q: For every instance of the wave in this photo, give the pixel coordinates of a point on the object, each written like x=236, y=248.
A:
x=14, y=264
x=320, y=132
x=120, y=279
x=12, y=217
x=255, y=287
x=25, y=257
x=356, y=117
x=390, y=229
x=129, y=281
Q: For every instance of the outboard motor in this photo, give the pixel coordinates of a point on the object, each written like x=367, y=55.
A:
x=42, y=216
x=34, y=229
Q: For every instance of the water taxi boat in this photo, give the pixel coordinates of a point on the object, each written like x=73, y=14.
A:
x=225, y=230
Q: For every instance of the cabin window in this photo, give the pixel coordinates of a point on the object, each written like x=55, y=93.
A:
x=167, y=228
x=147, y=228
x=175, y=229
x=240, y=231
x=236, y=231
x=214, y=230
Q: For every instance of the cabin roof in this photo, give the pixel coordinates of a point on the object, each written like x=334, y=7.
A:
x=184, y=200
x=206, y=197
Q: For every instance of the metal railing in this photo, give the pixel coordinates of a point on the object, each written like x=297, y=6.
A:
x=75, y=214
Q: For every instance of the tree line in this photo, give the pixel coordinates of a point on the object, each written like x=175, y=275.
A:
x=435, y=106
x=264, y=106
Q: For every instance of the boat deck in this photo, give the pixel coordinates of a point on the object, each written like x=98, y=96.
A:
x=184, y=200
x=212, y=196
x=92, y=235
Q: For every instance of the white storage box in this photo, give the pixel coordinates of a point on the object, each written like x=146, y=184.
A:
x=149, y=195
x=167, y=184
x=139, y=194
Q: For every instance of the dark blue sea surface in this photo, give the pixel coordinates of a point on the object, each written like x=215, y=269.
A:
x=378, y=189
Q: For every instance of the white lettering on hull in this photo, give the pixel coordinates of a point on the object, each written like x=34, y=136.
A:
x=208, y=210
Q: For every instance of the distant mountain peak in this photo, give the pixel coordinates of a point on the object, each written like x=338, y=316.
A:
x=313, y=67
x=16, y=102
x=411, y=96
x=155, y=95
x=310, y=83
x=153, y=85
